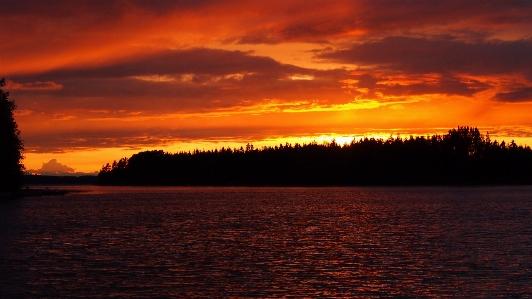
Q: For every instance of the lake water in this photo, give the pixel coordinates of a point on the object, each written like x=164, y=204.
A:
x=269, y=242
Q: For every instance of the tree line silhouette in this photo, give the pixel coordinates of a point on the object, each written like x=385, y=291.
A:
x=462, y=157
x=11, y=146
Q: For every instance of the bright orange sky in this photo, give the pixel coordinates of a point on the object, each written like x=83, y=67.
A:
x=95, y=81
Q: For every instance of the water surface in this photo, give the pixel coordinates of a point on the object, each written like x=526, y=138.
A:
x=269, y=242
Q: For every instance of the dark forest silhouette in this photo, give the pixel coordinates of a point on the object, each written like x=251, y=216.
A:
x=462, y=157
x=11, y=146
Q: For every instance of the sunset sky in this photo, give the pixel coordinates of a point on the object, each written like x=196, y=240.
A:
x=96, y=81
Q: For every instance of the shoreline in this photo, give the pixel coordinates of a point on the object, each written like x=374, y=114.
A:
x=34, y=192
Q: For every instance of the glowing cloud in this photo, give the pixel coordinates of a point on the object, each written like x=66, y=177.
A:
x=10, y=85
x=114, y=76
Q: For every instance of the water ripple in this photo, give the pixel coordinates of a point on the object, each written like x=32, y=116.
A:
x=270, y=242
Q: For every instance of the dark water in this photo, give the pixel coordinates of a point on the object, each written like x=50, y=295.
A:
x=269, y=242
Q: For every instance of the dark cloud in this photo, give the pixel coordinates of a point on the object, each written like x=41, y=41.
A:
x=167, y=97
x=200, y=79
x=323, y=20
x=448, y=86
x=181, y=81
x=166, y=6
x=411, y=13
x=445, y=85
x=367, y=81
x=523, y=94
x=314, y=31
x=440, y=55
x=56, y=8
x=57, y=142
x=276, y=21
x=197, y=61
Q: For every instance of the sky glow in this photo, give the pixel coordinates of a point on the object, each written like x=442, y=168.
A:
x=96, y=81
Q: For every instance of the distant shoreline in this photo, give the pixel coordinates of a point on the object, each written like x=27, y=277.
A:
x=33, y=192
x=59, y=180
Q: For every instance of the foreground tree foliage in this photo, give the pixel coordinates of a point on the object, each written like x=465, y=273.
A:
x=461, y=157
x=11, y=147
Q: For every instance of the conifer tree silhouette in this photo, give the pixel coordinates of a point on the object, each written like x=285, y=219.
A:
x=11, y=146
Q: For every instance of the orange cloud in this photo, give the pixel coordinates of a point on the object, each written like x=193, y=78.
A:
x=111, y=75
x=60, y=116
x=19, y=112
x=10, y=85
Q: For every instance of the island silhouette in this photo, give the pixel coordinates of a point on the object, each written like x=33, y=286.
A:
x=463, y=156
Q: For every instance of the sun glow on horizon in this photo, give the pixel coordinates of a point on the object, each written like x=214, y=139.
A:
x=90, y=161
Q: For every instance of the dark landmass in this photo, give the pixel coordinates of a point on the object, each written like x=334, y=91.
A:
x=59, y=180
x=11, y=146
x=33, y=192
x=461, y=157
x=39, y=185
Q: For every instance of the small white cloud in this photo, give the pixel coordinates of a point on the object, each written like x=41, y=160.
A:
x=54, y=168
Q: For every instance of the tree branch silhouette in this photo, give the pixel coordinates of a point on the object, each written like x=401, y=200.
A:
x=11, y=146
